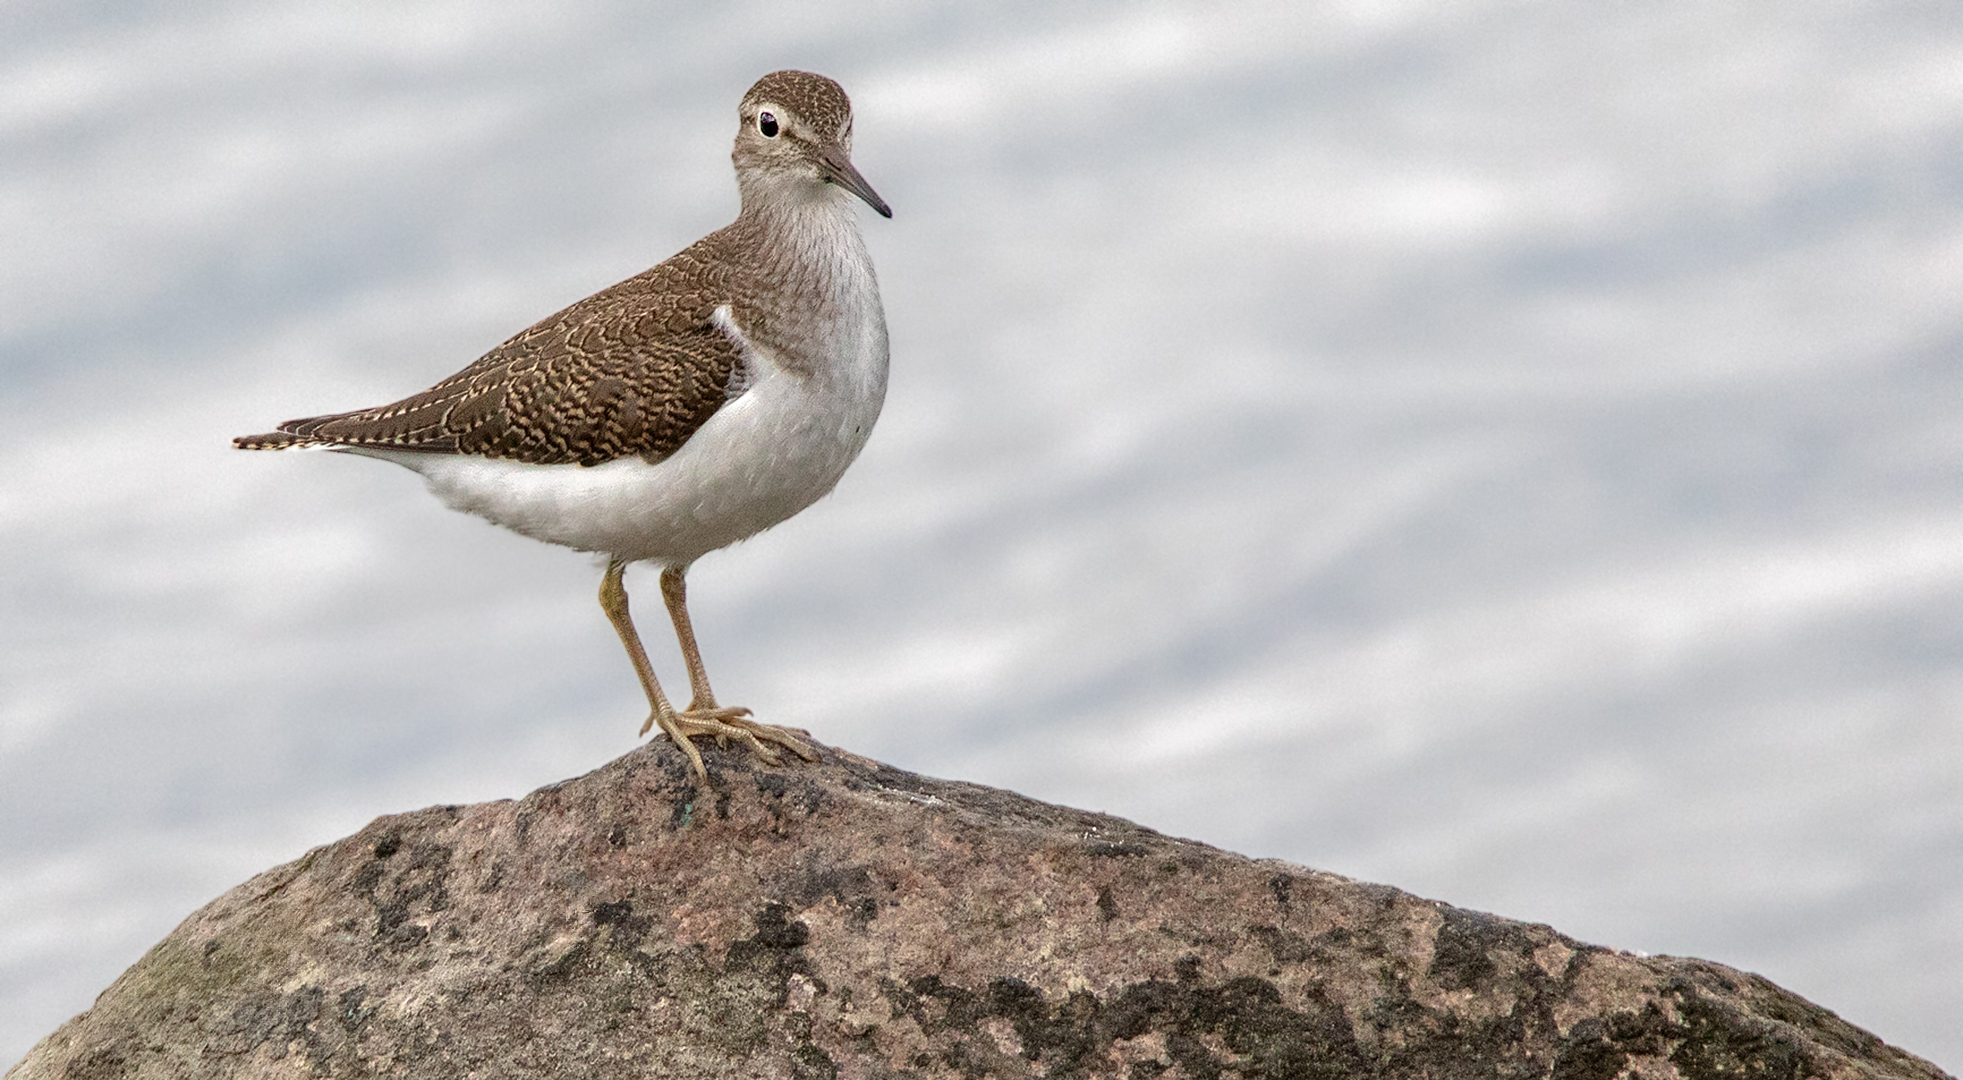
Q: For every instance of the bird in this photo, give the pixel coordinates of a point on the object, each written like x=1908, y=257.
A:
x=684, y=409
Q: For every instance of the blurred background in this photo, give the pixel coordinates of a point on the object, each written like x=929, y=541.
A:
x=1512, y=452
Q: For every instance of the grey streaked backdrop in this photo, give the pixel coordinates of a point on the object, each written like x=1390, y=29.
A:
x=1511, y=452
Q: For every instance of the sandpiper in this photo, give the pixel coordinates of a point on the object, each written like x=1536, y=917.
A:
x=681, y=410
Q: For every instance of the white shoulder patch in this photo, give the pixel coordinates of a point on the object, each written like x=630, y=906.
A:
x=749, y=361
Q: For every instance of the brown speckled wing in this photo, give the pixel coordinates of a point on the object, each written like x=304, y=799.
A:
x=632, y=370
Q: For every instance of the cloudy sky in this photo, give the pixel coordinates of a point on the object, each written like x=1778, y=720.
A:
x=1513, y=453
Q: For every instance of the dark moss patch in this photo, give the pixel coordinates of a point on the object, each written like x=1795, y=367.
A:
x=1708, y=1041
x=1286, y=946
x=933, y=1004
x=627, y=928
x=790, y=793
x=1587, y=1054
x=111, y=1062
x=1719, y=1044
x=810, y=1062
x=1822, y=1024
x=1282, y=888
x=1064, y=1036
x=681, y=811
x=1107, y=905
x=369, y=876
x=852, y=886
x=561, y=969
x=351, y=1010
x=765, y=961
x=1459, y=959
x=1263, y=1035
x=775, y=930
x=402, y=890
x=272, y=1020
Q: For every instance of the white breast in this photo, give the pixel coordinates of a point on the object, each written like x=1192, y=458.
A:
x=762, y=457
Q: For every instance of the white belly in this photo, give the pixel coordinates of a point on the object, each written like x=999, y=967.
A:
x=761, y=458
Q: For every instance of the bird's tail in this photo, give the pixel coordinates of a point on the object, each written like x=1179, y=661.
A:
x=279, y=440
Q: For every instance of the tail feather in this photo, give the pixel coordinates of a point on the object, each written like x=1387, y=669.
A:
x=275, y=440
x=295, y=435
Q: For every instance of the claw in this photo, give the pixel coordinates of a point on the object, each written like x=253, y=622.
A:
x=730, y=723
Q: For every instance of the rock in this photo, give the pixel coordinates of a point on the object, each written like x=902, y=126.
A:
x=853, y=920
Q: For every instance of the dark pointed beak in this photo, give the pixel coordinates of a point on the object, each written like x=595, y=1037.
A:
x=837, y=169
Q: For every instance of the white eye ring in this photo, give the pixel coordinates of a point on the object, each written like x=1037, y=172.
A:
x=767, y=124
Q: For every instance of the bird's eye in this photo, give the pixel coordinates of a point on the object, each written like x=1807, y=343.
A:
x=767, y=124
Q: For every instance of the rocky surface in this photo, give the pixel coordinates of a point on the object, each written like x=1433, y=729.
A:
x=848, y=919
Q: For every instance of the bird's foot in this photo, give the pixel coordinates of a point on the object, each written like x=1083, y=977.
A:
x=729, y=723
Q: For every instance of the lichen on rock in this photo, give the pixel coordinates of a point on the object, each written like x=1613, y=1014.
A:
x=851, y=920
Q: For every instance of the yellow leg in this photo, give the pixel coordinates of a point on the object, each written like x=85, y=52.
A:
x=613, y=600
x=703, y=716
x=674, y=592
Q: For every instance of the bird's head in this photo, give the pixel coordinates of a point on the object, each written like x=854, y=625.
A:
x=794, y=142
